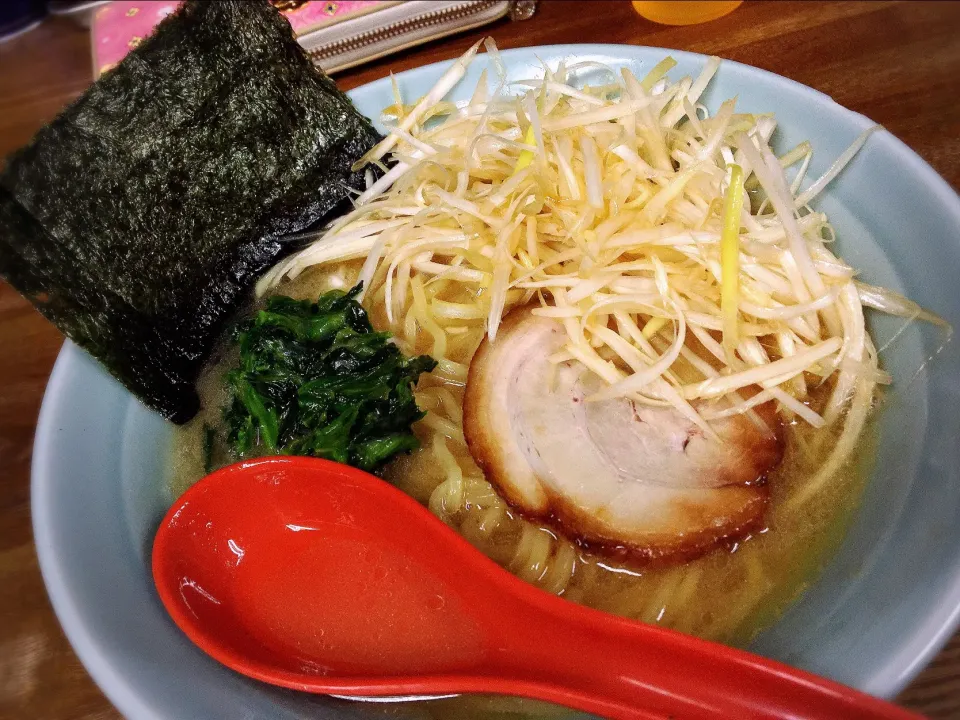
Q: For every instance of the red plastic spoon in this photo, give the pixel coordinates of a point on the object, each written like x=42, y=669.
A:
x=315, y=576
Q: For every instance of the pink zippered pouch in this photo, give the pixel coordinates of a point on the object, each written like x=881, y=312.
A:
x=123, y=24
x=365, y=28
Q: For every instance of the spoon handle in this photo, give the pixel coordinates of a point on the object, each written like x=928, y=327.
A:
x=629, y=671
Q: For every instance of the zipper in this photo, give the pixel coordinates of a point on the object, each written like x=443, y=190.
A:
x=417, y=24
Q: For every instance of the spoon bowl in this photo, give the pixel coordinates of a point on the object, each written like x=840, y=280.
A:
x=315, y=576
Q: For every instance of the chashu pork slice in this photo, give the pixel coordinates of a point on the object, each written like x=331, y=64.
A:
x=627, y=480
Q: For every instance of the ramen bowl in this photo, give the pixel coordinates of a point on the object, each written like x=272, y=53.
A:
x=880, y=610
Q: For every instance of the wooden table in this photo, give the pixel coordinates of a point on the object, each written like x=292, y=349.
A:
x=896, y=62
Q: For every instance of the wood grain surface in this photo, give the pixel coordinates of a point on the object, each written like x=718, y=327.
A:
x=896, y=62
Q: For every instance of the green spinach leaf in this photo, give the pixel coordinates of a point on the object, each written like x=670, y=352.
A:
x=316, y=379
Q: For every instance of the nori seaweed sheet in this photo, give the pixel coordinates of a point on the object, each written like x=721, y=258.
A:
x=139, y=219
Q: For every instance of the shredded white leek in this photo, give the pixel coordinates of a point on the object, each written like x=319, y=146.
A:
x=730, y=259
x=622, y=212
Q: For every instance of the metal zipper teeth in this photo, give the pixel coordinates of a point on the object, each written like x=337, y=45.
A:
x=420, y=22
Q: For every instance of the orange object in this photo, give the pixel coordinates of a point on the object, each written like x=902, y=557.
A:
x=317, y=576
x=685, y=12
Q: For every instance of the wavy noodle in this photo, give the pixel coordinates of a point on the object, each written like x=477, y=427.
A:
x=530, y=559
x=661, y=598
x=561, y=568
x=682, y=598
x=448, y=499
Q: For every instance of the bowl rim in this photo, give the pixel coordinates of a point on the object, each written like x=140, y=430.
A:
x=105, y=674
x=898, y=672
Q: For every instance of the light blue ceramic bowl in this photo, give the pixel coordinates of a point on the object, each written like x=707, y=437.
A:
x=881, y=610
